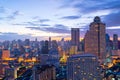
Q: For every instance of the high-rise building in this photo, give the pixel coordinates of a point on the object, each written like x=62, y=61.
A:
x=45, y=48
x=49, y=42
x=95, y=38
x=108, y=44
x=54, y=44
x=27, y=42
x=83, y=67
x=115, y=41
x=44, y=72
x=5, y=54
x=75, y=36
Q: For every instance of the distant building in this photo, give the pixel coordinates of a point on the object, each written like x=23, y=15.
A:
x=109, y=45
x=73, y=50
x=83, y=67
x=10, y=73
x=75, y=37
x=5, y=54
x=45, y=48
x=27, y=42
x=52, y=58
x=95, y=38
x=44, y=72
x=1, y=68
x=54, y=44
x=50, y=45
x=115, y=42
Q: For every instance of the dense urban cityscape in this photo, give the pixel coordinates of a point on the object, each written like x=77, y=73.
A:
x=96, y=57
x=59, y=39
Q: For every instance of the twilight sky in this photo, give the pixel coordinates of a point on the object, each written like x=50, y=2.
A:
x=20, y=19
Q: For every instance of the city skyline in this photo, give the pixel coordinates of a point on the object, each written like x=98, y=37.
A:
x=20, y=19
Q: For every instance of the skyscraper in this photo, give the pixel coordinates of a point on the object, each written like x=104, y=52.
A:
x=75, y=37
x=83, y=67
x=45, y=48
x=95, y=38
x=115, y=41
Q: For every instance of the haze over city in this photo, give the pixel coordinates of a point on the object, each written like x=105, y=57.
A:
x=20, y=19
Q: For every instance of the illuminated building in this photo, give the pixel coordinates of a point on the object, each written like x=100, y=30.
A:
x=75, y=36
x=83, y=67
x=63, y=58
x=73, y=50
x=115, y=42
x=95, y=38
x=5, y=54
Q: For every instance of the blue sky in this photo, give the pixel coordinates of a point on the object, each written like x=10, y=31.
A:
x=20, y=19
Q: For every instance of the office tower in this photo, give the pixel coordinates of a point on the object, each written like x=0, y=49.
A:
x=54, y=44
x=45, y=49
x=5, y=54
x=49, y=42
x=115, y=41
x=27, y=42
x=108, y=44
x=83, y=67
x=75, y=36
x=95, y=38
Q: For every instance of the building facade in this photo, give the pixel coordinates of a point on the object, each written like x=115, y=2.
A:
x=83, y=67
x=44, y=72
x=95, y=42
x=115, y=42
x=75, y=39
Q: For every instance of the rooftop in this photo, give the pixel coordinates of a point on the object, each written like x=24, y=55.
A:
x=83, y=55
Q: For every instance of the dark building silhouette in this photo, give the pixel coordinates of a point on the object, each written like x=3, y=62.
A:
x=115, y=41
x=75, y=36
x=27, y=42
x=45, y=49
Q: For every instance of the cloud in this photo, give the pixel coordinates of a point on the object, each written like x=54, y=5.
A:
x=12, y=36
x=31, y=24
x=58, y=28
x=88, y=6
x=2, y=9
x=34, y=28
x=113, y=31
x=44, y=25
x=113, y=28
x=38, y=19
x=44, y=20
x=71, y=17
x=1, y=18
x=112, y=19
x=13, y=15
